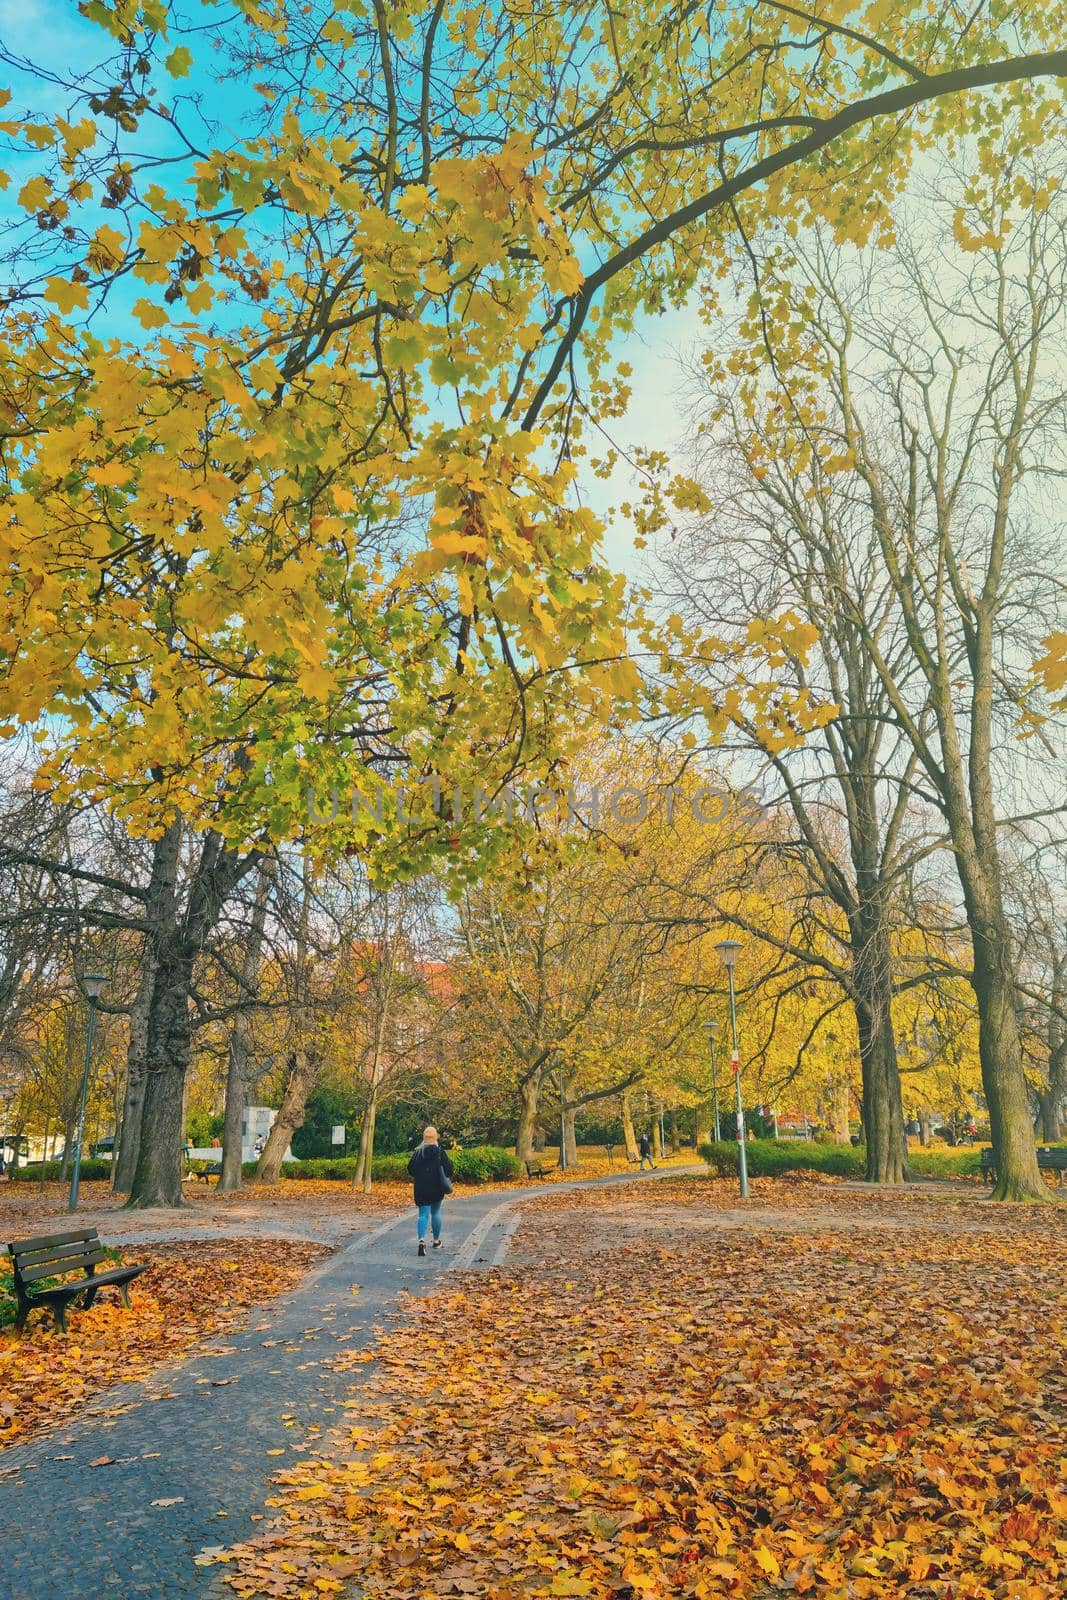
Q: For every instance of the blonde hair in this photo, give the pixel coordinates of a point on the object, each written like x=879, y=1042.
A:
x=429, y=1136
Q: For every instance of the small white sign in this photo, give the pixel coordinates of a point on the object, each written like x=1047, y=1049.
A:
x=337, y=1134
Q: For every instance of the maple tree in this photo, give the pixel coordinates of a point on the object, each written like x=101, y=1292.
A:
x=315, y=524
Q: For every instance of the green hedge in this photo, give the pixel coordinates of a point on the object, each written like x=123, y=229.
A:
x=479, y=1164
x=485, y=1163
x=768, y=1158
x=90, y=1169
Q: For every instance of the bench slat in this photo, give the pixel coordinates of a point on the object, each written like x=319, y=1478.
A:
x=43, y=1241
x=59, y=1252
x=100, y=1280
x=56, y=1269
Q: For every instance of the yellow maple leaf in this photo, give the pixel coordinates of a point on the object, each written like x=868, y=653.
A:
x=66, y=295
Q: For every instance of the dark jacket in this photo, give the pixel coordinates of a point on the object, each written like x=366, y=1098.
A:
x=429, y=1167
x=645, y=1146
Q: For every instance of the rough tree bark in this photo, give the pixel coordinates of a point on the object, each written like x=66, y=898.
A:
x=363, y=1177
x=530, y=1097
x=883, y=1108
x=161, y=913
x=176, y=942
x=303, y=1073
x=629, y=1133
x=570, y=1136
x=241, y=1036
x=133, y=1100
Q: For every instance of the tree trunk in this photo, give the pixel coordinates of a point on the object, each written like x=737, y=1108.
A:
x=657, y=1140
x=628, y=1133
x=241, y=1038
x=68, y=1141
x=233, y=1114
x=157, y=1179
x=176, y=943
x=524, y=1137
x=364, y=1176
x=133, y=1100
x=303, y=1071
x=570, y=1115
x=839, y=1104
x=44, y=1153
x=883, y=1109
x=705, y=1128
x=1048, y=1116
x=1051, y=1099
x=1000, y=1052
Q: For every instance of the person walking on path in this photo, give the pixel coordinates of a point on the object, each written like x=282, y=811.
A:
x=646, y=1153
x=431, y=1173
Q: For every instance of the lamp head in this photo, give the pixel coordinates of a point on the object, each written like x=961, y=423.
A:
x=728, y=949
x=93, y=984
x=714, y=1029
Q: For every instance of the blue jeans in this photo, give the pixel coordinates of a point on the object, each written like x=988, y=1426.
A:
x=430, y=1215
x=650, y=1162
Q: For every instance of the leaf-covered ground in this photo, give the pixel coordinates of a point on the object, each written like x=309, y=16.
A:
x=842, y=1395
x=26, y=1207
x=189, y=1293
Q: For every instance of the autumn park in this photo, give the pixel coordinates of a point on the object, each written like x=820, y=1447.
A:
x=533, y=822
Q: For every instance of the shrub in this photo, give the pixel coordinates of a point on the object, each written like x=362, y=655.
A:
x=480, y=1164
x=769, y=1158
x=342, y=1168
x=721, y=1158
x=391, y=1169
x=90, y=1170
x=485, y=1163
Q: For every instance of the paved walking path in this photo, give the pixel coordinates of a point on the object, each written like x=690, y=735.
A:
x=205, y=1435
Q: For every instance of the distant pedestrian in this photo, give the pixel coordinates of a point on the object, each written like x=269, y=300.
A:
x=258, y=1148
x=646, y=1152
x=431, y=1173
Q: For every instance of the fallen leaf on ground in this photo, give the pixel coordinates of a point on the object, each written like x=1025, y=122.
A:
x=841, y=1393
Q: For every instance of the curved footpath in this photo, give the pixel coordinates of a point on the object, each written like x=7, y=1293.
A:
x=204, y=1436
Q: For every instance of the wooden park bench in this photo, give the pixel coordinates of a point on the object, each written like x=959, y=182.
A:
x=205, y=1169
x=539, y=1171
x=49, y=1256
x=1049, y=1159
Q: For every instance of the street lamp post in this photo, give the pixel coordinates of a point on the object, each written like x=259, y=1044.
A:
x=93, y=984
x=728, y=949
x=714, y=1029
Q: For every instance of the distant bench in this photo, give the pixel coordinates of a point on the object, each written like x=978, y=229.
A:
x=538, y=1171
x=1048, y=1159
x=56, y=1255
x=204, y=1162
x=205, y=1169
